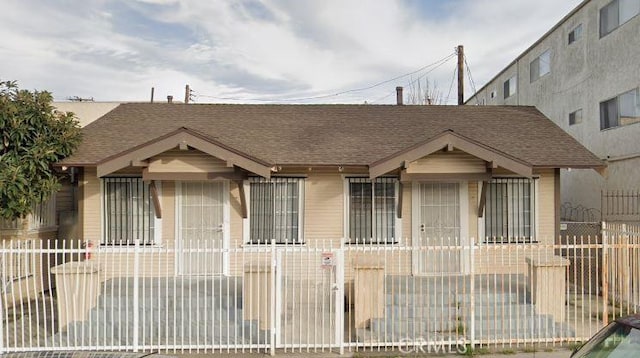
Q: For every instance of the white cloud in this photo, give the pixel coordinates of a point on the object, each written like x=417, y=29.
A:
x=114, y=50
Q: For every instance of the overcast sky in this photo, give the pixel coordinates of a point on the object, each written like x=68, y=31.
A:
x=252, y=51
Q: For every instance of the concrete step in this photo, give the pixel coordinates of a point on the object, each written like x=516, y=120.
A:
x=411, y=326
x=432, y=313
x=166, y=315
x=107, y=333
x=183, y=299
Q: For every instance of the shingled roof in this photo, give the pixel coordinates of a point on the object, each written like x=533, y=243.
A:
x=334, y=134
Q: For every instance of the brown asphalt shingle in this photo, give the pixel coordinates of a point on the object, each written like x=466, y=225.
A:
x=334, y=134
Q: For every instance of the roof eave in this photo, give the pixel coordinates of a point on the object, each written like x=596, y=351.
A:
x=182, y=137
x=453, y=140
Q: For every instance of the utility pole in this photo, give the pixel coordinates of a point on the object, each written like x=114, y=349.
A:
x=460, y=75
x=187, y=94
x=152, y=90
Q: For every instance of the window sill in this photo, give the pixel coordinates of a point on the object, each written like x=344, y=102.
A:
x=372, y=244
x=256, y=245
x=510, y=242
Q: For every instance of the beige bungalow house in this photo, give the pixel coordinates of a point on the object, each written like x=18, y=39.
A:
x=239, y=175
x=222, y=226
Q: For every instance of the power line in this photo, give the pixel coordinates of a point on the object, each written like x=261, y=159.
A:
x=411, y=82
x=437, y=64
x=453, y=79
x=473, y=85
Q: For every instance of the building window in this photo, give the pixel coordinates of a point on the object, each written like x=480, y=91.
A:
x=493, y=94
x=621, y=110
x=510, y=87
x=617, y=13
x=510, y=210
x=575, y=117
x=275, y=210
x=575, y=34
x=540, y=66
x=128, y=210
x=372, y=210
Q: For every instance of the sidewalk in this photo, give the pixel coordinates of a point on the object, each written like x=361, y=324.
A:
x=556, y=353
x=559, y=353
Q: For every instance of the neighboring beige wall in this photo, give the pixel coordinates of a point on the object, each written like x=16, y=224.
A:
x=86, y=112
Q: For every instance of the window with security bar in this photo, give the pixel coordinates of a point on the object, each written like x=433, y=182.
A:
x=128, y=212
x=275, y=210
x=510, y=210
x=372, y=210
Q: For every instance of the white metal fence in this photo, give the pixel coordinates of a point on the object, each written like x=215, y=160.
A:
x=43, y=215
x=323, y=296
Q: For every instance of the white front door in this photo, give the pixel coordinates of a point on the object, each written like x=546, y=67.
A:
x=438, y=218
x=202, y=227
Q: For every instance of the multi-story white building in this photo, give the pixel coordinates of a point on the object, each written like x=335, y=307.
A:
x=584, y=74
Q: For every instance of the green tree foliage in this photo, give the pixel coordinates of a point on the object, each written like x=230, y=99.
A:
x=34, y=136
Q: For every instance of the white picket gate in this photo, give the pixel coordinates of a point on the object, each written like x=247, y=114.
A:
x=326, y=295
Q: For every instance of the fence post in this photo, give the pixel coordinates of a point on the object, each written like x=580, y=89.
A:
x=2, y=294
x=623, y=266
x=472, y=294
x=605, y=275
x=339, y=297
x=136, y=295
x=274, y=272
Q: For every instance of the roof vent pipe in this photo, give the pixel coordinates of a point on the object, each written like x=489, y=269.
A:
x=399, y=95
x=169, y=99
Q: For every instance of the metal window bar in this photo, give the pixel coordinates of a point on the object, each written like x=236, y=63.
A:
x=510, y=210
x=128, y=212
x=372, y=210
x=274, y=213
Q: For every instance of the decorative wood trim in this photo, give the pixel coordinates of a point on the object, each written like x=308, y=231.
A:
x=400, y=195
x=450, y=139
x=243, y=199
x=457, y=177
x=170, y=176
x=156, y=199
x=180, y=138
x=556, y=203
x=483, y=198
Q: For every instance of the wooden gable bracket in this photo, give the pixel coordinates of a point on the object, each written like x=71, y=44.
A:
x=140, y=163
x=483, y=199
x=399, y=208
x=243, y=198
x=156, y=199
